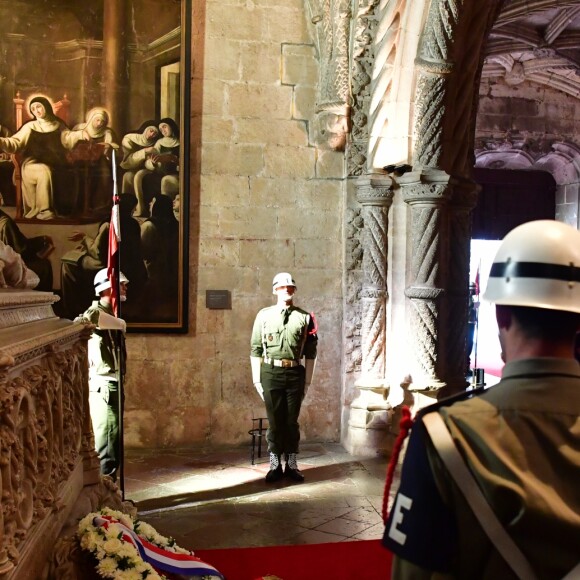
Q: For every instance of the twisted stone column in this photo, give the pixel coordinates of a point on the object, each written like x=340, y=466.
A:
x=369, y=419
x=427, y=201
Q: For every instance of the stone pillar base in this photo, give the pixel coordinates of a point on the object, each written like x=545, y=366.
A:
x=368, y=428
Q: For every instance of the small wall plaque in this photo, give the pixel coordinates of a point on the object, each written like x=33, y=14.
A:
x=218, y=299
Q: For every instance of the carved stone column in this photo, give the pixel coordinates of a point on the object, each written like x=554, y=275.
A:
x=461, y=204
x=369, y=418
x=427, y=200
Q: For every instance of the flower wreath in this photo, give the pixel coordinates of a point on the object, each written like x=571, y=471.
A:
x=128, y=549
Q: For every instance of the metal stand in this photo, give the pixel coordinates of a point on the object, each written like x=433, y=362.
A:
x=257, y=433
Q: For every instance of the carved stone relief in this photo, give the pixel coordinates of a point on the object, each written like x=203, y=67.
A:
x=353, y=269
x=47, y=453
x=364, y=27
x=41, y=417
x=330, y=20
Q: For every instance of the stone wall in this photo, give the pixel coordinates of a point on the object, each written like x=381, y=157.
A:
x=528, y=110
x=263, y=199
x=540, y=126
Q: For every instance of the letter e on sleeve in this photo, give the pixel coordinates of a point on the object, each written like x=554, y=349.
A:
x=421, y=528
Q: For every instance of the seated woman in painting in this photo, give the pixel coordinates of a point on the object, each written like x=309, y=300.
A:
x=42, y=143
x=166, y=162
x=137, y=148
x=161, y=168
x=95, y=157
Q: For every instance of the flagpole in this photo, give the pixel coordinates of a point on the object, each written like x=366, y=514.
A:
x=476, y=315
x=478, y=374
x=119, y=346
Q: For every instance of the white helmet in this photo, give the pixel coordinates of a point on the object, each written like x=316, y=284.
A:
x=537, y=264
x=282, y=279
x=102, y=280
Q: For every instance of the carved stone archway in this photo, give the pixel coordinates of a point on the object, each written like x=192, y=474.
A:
x=560, y=158
x=438, y=192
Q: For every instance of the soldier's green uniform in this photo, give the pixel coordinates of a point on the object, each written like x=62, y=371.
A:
x=282, y=336
x=104, y=348
x=519, y=440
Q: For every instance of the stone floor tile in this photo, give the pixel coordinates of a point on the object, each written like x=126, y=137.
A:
x=216, y=499
x=316, y=537
x=343, y=527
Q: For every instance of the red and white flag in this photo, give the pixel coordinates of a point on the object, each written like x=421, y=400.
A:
x=114, y=242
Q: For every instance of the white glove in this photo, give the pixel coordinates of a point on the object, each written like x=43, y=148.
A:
x=108, y=322
x=309, y=364
x=260, y=390
x=256, y=363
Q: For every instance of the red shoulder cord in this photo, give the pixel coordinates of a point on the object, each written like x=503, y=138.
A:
x=314, y=324
x=404, y=427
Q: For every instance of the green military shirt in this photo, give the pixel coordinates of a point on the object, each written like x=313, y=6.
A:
x=520, y=440
x=104, y=346
x=284, y=332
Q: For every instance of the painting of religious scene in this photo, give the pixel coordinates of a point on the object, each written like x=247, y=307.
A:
x=91, y=101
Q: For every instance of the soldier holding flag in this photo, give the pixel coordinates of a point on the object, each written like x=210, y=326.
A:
x=107, y=357
x=107, y=352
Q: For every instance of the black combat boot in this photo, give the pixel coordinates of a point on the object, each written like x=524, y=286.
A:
x=292, y=472
x=275, y=473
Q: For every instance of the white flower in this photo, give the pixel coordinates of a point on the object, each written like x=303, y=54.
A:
x=128, y=551
x=144, y=529
x=113, y=546
x=107, y=567
x=111, y=550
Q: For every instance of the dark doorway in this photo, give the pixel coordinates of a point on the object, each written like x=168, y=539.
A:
x=510, y=197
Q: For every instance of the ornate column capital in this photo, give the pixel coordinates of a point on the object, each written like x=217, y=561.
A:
x=433, y=188
x=375, y=189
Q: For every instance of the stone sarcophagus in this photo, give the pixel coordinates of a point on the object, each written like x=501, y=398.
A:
x=47, y=455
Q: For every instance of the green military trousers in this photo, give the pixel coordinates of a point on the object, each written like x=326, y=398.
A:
x=283, y=394
x=104, y=407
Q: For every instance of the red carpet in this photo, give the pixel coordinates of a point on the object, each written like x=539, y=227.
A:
x=364, y=560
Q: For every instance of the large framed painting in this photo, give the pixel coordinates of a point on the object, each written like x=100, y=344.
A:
x=94, y=96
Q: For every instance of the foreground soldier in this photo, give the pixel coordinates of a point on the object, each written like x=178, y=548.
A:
x=106, y=346
x=520, y=440
x=281, y=336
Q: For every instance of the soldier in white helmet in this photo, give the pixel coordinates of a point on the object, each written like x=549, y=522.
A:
x=514, y=449
x=283, y=353
x=106, y=346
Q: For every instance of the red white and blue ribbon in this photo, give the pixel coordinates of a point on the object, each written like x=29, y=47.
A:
x=159, y=558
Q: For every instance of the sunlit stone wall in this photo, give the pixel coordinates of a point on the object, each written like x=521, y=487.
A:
x=263, y=199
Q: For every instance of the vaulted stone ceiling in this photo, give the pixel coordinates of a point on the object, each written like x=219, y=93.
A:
x=537, y=41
